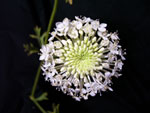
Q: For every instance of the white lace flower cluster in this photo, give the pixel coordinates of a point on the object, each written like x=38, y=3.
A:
x=81, y=57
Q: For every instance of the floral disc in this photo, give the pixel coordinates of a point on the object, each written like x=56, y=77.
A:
x=81, y=57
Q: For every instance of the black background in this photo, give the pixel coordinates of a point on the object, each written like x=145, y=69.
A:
x=17, y=71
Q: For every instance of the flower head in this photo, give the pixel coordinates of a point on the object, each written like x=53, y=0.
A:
x=81, y=57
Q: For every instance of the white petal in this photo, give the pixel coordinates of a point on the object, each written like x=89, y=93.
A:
x=92, y=93
x=60, y=26
x=104, y=42
x=102, y=29
x=87, y=85
x=73, y=33
x=103, y=25
x=57, y=44
x=79, y=25
x=107, y=74
x=59, y=61
x=95, y=24
x=105, y=65
x=66, y=22
x=77, y=98
x=64, y=42
x=42, y=57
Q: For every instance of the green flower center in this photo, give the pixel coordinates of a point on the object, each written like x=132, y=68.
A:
x=80, y=57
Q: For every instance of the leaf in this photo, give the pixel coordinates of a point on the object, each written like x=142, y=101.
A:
x=42, y=97
x=37, y=31
x=37, y=34
x=32, y=52
x=30, y=49
x=33, y=36
x=55, y=108
x=40, y=37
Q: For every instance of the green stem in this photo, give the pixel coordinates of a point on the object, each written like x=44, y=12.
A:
x=51, y=20
x=37, y=104
x=36, y=80
x=39, y=68
x=34, y=89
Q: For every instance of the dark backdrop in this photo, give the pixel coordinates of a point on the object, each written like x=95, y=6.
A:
x=131, y=91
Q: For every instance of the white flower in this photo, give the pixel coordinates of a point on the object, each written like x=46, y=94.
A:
x=105, y=65
x=77, y=24
x=95, y=24
x=114, y=48
x=45, y=51
x=73, y=33
x=102, y=27
x=57, y=44
x=82, y=57
x=107, y=74
x=119, y=64
x=111, y=57
x=87, y=19
x=58, y=61
x=58, y=53
x=114, y=36
x=62, y=27
x=87, y=28
x=104, y=42
x=53, y=34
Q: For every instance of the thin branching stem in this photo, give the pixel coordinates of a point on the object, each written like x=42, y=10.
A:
x=36, y=80
x=32, y=96
x=37, y=104
x=51, y=20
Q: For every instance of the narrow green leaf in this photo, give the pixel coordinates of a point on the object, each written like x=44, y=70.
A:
x=37, y=31
x=42, y=97
x=33, y=36
x=30, y=49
